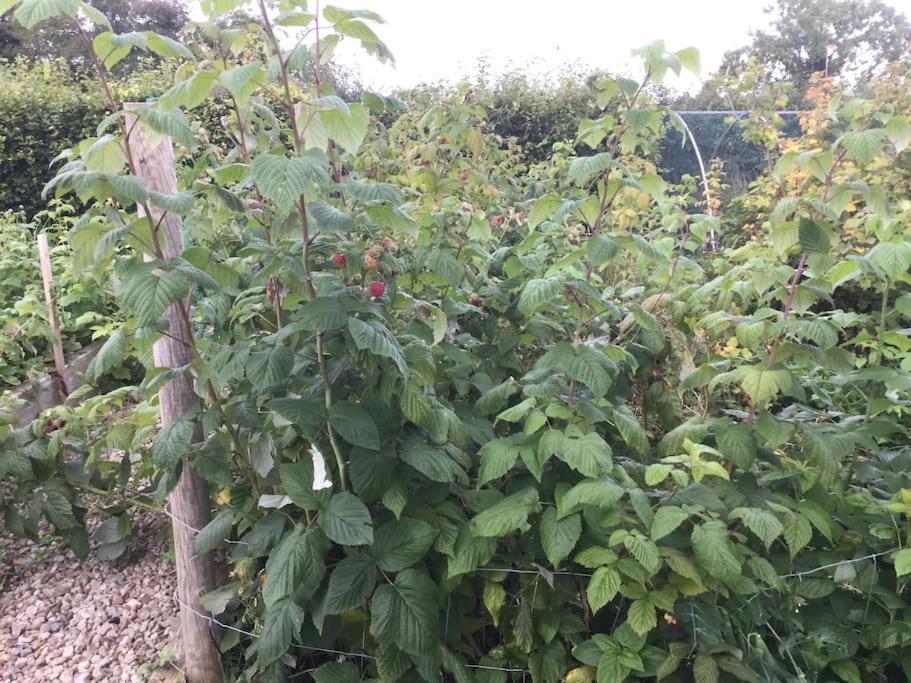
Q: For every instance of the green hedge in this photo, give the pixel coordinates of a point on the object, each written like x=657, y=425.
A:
x=42, y=111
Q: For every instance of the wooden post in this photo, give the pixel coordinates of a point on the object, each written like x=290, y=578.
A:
x=47, y=277
x=189, y=501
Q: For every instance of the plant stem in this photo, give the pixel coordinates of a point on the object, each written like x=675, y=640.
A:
x=305, y=234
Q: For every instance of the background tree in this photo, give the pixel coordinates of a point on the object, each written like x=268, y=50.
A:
x=59, y=38
x=849, y=38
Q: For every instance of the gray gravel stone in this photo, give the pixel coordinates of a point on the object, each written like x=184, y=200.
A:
x=65, y=619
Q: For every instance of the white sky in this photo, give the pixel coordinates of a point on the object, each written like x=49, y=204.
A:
x=444, y=39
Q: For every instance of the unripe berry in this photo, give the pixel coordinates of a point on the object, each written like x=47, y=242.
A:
x=377, y=289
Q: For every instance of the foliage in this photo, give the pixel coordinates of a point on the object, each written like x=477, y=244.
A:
x=461, y=419
x=60, y=39
x=846, y=38
x=85, y=307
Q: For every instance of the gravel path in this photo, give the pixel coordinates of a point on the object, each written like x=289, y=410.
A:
x=71, y=620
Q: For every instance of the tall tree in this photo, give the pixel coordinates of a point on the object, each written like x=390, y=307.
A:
x=848, y=38
x=58, y=38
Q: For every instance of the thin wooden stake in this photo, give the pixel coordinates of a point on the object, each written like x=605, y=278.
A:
x=189, y=501
x=47, y=277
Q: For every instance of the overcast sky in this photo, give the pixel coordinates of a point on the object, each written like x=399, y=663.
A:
x=444, y=39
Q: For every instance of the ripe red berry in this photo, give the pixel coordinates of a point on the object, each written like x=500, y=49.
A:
x=442, y=141
x=339, y=260
x=377, y=288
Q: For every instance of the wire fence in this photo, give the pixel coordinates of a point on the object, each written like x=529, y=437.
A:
x=539, y=572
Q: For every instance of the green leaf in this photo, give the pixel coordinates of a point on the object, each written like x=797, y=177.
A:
x=544, y=207
x=583, y=168
x=329, y=218
x=690, y=59
x=493, y=400
x=898, y=130
x=171, y=123
x=705, y=669
x=296, y=566
x=215, y=602
x=243, y=80
x=215, y=532
x=494, y=597
x=346, y=520
x=172, y=443
x=269, y=367
x=506, y=516
x=761, y=522
x=283, y=179
x=282, y=621
x=400, y=543
x=589, y=454
x=559, y=536
x=737, y=444
x=645, y=552
x=814, y=238
x=497, y=458
x=630, y=429
x=166, y=47
x=763, y=384
x=540, y=291
x=337, y=672
x=797, y=533
x=602, y=587
x=864, y=145
x=297, y=480
x=601, y=493
x=713, y=550
x=902, y=560
x=354, y=425
x=373, y=336
x=406, y=613
x=351, y=583
x=189, y=93
x=322, y=314
x=892, y=258
x=109, y=356
x=347, y=129
x=600, y=249
x=432, y=462
x=147, y=292
x=590, y=367
x=32, y=12
x=666, y=521
x=642, y=616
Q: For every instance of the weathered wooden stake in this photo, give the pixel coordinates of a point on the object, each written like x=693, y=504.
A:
x=47, y=277
x=189, y=501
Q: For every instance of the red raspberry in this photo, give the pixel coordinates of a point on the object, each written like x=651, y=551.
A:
x=377, y=289
x=442, y=141
x=339, y=260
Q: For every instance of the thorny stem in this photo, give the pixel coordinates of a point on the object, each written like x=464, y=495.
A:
x=305, y=232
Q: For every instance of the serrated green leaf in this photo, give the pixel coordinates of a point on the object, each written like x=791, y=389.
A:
x=346, y=520
x=666, y=521
x=296, y=566
x=351, y=583
x=506, y=516
x=713, y=550
x=401, y=543
x=405, y=613
x=559, y=535
x=172, y=443
x=354, y=425
x=602, y=587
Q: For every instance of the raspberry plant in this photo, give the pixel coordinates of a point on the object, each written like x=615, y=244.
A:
x=463, y=416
